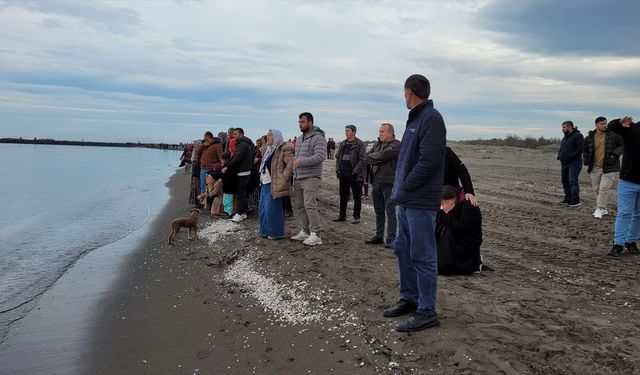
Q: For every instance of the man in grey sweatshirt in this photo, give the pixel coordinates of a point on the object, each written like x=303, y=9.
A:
x=310, y=152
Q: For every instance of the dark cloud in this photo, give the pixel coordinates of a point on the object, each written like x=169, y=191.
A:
x=573, y=27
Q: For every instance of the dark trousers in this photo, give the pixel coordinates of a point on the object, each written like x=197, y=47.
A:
x=381, y=194
x=569, y=173
x=348, y=182
x=243, y=185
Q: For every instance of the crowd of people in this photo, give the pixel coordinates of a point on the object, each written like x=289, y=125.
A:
x=423, y=196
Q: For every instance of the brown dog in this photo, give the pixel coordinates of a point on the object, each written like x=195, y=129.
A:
x=190, y=222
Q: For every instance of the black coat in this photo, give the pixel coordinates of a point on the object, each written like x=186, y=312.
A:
x=613, y=147
x=459, y=236
x=630, y=170
x=571, y=147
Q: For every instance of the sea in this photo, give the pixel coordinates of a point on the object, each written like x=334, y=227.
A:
x=58, y=203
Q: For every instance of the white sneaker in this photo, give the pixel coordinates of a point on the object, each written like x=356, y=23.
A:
x=598, y=213
x=244, y=216
x=604, y=211
x=313, y=240
x=300, y=236
x=237, y=218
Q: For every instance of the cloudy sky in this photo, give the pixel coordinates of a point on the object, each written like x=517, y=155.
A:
x=166, y=71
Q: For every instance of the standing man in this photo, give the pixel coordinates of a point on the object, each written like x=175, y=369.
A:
x=417, y=190
x=210, y=154
x=570, y=156
x=242, y=162
x=350, y=170
x=331, y=148
x=382, y=162
x=627, y=226
x=310, y=152
x=601, y=155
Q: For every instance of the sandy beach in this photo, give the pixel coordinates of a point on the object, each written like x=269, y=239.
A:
x=235, y=303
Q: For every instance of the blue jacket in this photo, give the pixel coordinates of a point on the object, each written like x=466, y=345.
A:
x=420, y=171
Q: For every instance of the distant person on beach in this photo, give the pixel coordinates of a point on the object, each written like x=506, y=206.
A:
x=350, y=170
x=242, y=162
x=459, y=234
x=229, y=140
x=570, y=156
x=457, y=175
x=210, y=154
x=310, y=152
x=185, y=158
x=627, y=226
x=229, y=187
x=223, y=140
x=331, y=148
x=382, y=161
x=417, y=192
x=601, y=154
x=275, y=171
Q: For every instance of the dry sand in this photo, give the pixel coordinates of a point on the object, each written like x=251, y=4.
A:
x=235, y=303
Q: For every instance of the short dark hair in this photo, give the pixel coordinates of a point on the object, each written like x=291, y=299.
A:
x=308, y=115
x=208, y=134
x=419, y=86
x=449, y=192
x=599, y=119
x=240, y=130
x=568, y=123
x=352, y=127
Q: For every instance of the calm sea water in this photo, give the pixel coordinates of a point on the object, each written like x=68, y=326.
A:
x=60, y=202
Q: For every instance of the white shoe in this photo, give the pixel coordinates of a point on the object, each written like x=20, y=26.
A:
x=237, y=218
x=604, y=211
x=313, y=240
x=300, y=236
x=598, y=213
x=244, y=216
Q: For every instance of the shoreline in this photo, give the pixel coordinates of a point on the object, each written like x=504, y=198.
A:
x=234, y=303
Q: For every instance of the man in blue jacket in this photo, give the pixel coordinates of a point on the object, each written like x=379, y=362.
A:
x=417, y=190
x=570, y=156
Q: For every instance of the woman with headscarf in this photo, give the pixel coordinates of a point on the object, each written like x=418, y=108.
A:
x=275, y=171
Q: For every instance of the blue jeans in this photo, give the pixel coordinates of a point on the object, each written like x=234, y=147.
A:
x=270, y=213
x=203, y=179
x=569, y=173
x=627, y=226
x=381, y=194
x=417, y=253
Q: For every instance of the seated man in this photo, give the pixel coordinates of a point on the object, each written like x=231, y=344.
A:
x=459, y=234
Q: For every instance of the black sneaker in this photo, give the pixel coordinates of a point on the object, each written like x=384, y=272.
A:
x=401, y=308
x=574, y=204
x=356, y=220
x=374, y=240
x=228, y=217
x=419, y=322
x=340, y=218
x=632, y=248
x=564, y=202
x=615, y=250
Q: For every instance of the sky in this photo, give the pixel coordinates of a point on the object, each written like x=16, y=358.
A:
x=167, y=71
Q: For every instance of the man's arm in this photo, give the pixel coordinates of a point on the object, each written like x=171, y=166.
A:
x=319, y=153
x=384, y=154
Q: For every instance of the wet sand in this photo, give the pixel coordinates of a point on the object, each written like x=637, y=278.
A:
x=234, y=303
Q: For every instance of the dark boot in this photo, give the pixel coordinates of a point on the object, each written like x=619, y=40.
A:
x=419, y=322
x=632, y=248
x=401, y=308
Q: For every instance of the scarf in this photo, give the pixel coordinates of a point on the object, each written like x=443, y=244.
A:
x=268, y=151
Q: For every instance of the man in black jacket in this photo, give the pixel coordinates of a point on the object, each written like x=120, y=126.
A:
x=383, y=159
x=242, y=162
x=570, y=156
x=350, y=169
x=627, y=226
x=601, y=155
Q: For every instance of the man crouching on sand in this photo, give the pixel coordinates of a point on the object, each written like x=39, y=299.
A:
x=416, y=193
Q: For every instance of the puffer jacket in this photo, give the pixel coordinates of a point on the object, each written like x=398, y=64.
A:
x=211, y=154
x=383, y=159
x=613, y=148
x=281, y=172
x=242, y=159
x=358, y=167
x=420, y=172
x=311, y=151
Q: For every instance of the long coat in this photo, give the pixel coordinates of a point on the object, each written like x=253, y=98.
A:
x=459, y=235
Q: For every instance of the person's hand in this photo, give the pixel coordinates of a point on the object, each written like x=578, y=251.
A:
x=288, y=158
x=626, y=121
x=224, y=170
x=296, y=163
x=472, y=199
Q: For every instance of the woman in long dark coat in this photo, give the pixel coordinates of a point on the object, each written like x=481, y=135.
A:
x=459, y=234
